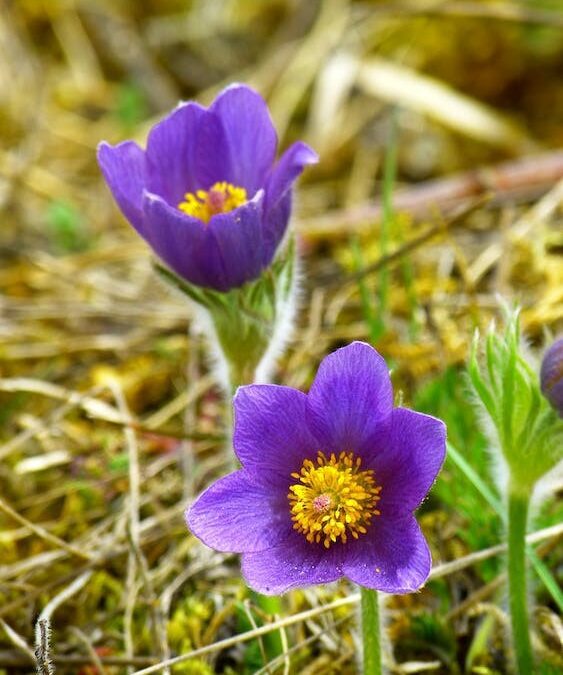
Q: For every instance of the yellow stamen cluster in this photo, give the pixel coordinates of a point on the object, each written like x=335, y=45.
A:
x=333, y=499
x=220, y=198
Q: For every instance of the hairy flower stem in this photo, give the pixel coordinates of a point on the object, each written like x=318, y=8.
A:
x=518, y=503
x=371, y=632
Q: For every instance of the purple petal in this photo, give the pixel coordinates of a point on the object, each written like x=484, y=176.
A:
x=392, y=557
x=551, y=375
x=239, y=241
x=288, y=168
x=270, y=432
x=212, y=159
x=172, y=151
x=125, y=171
x=351, y=399
x=293, y=564
x=276, y=221
x=237, y=514
x=250, y=135
x=556, y=397
x=414, y=452
x=183, y=243
x=277, y=210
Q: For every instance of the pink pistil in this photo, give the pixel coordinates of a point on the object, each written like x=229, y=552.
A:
x=216, y=200
x=322, y=502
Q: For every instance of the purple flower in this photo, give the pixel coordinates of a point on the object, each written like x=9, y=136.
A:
x=329, y=482
x=551, y=375
x=207, y=194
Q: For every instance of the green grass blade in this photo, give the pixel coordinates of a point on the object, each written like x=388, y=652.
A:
x=369, y=311
x=478, y=483
x=389, y=178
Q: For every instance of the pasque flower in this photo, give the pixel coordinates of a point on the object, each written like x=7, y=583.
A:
x=329, y=482
x=551, y=375
x=207, y=194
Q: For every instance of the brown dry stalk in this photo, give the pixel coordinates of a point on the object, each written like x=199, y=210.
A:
x=521, y=179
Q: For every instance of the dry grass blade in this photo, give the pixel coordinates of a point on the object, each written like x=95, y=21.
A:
x=405, y=87
x=44, y=534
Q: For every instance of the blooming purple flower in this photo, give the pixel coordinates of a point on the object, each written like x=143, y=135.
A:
x=329, y=482
x=207, y=194
x=551, y=375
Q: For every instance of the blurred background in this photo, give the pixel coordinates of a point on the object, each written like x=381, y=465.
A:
x=439, y=126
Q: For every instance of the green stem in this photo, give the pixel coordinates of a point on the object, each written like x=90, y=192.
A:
x=371, y=632
x=518, y=503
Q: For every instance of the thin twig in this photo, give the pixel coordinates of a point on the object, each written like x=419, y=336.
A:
x=500, y=11
x=89, y=646
x=279, y=660
x=248, y=612
x=397, y=255
x=17, y=639
x=43, y=533
x=187, y=448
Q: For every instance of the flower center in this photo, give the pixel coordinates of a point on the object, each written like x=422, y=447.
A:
x=333, y=498
x=220, y=198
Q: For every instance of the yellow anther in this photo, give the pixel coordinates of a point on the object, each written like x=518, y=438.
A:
x=333, y=498
x=220, y=198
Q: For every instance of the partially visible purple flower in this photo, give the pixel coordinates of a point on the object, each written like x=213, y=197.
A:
x=329, y=482
x=207, y=194
x=551, y=375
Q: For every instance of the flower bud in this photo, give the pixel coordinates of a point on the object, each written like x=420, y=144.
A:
x=207, y=194
x=521, y=424
x=551, y=375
